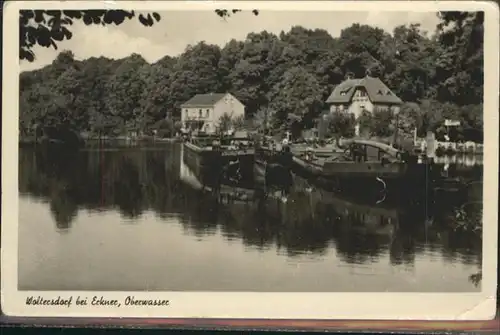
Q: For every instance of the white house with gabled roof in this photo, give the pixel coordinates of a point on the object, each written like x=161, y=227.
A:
x=204, y=111
x=368, y=93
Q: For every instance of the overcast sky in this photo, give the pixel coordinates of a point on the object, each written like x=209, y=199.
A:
x=176, y=30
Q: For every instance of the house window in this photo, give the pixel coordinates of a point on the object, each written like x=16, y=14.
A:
x=341, y=108
x=360, y=93
x=208, y=113
x=200, y=113
x=186, y=113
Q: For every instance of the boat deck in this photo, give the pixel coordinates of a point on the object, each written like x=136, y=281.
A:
x=323, y=151
x=328, y=167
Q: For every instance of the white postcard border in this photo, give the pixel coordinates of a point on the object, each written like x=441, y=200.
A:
x=249, y=305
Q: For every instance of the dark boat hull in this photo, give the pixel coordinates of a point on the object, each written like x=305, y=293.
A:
x=208, y=164
x=353, y=177
x=265, y=160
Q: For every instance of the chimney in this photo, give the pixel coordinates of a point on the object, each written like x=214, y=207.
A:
x=368, y=73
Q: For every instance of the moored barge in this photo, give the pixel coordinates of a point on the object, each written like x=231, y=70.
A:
x=360, y=164
x=218, y=159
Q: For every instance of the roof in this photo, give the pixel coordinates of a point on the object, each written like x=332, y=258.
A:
x=377, y=91
x=202, y=100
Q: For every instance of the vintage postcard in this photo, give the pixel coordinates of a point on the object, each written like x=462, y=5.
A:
x=250, y=160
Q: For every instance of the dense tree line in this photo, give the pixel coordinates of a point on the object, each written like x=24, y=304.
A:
x=284, y=77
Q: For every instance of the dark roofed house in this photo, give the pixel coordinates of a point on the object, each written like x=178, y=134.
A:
x=204, y=100
x=203, y=111
x=364, y=94
x=367, y=92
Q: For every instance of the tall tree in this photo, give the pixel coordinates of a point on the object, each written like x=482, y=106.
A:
x=194, y=73
x=155, y=100
x=230, y=55
x=251, y=75
x=125, y=88
x=460, y=65
x=412, y=57
x=298, y=94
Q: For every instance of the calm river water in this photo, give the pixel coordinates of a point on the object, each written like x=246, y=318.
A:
x=130, y=219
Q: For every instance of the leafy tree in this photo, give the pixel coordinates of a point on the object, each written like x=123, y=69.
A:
x=262, y=119
x=298, y=94
x=361, y=43
x=47, y=27
x=365, y=122
x=164, y=128
x=409, y=118
x=256, y=63
x=126, y=88
x=224, y=123
x=238, y=123
x=224, y=13
x=194, y=72
x=411, y=59
x=341, y=124
x=229, y=57
x=383, y=122
x=460, y=65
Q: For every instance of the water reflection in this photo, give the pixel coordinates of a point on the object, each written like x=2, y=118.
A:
x=311, y=225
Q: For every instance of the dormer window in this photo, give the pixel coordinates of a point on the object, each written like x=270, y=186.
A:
x=380, y=92
x=345, y=90
x=389, y=93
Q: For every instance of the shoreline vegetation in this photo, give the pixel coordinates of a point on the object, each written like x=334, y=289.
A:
x=442, y=148
x=283, y=79
x=93, y=139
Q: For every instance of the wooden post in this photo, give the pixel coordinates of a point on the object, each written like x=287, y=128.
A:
x=396, y=131
x=265, y=122
x=431, y=145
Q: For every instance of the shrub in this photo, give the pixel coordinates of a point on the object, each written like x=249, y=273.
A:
x=341, y=124
x=383, y=122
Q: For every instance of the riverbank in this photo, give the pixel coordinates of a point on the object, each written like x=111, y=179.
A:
x=90, y=140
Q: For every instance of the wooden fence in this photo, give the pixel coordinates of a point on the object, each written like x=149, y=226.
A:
x=451, y=147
